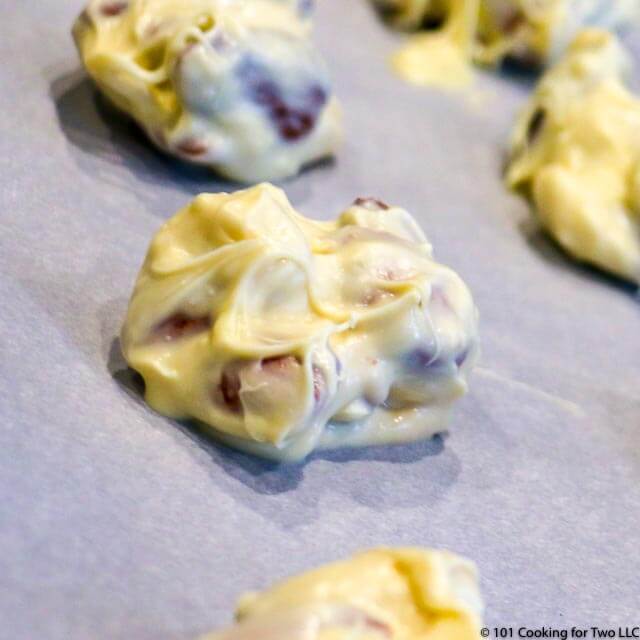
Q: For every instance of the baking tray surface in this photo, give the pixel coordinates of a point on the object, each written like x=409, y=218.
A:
x=118, y=523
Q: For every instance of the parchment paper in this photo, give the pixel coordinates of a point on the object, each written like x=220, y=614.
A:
x=118, y=523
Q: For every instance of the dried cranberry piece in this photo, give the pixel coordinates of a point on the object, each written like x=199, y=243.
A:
x=319, y=383
x=439, y=299
x=373, y=296
x=179, y=326
x=394, y=275
x=292, y=122
x=279, y=364
x=349, y=617
x=192, y=147
x=282, y=365
x=378, y=626
x=295, y=124
x=373, y=204
x=229, y=387
x=266, y=94
x=111, y=9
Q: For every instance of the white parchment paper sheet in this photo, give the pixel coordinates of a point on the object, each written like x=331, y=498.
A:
x=118, y=523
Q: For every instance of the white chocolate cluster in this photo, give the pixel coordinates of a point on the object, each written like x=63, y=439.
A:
x=233, y=84
x=283, y=334
x=576, y=152
x=393, y=594
x=534, y=32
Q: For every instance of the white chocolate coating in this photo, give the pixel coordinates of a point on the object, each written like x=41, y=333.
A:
x=535, y=32
x=576, y=152
x=397, y=594
x=232, y=84
x=284, y=334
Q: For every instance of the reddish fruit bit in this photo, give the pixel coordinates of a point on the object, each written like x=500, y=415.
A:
x=373, y=204
x=283, y=365
x=111, y=9
x=371, y=297
x=394, y=275
x=192, y=147
x=229, y=387
x=319, y=383
x=358, y=618
x=439, y=299
x=378, y=626
x=279, y=365
x=375, y=296
x=385, y=273
x=265, y=93
x=180, y=326
x=292, y=122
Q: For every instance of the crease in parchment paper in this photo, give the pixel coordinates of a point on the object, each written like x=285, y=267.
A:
x=569, y=406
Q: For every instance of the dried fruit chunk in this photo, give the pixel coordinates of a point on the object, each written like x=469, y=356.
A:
x=180, y=326
x=111, y=9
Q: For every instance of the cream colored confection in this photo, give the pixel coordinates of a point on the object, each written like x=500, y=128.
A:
x=397, y=594
x=486, y=31
x=283, y=334
x=233, y=84
x=576, y=152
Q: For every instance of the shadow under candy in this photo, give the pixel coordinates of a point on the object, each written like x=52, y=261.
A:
x=100, y=131
x=265, y=476
x=548, y=249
